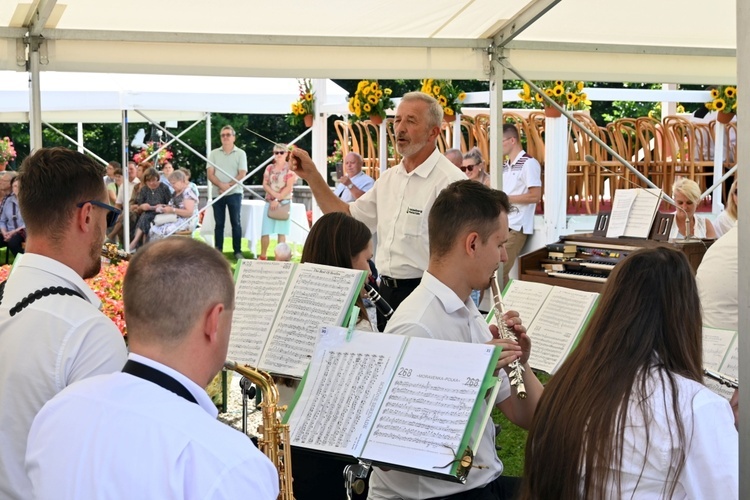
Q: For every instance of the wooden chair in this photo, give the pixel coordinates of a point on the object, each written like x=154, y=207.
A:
x=346, y=137
x=366, y=134
x=394, y=158
x=579, y=169
x=655, y=165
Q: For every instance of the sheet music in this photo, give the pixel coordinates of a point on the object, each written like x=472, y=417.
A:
x=557, y=325
x=259, y=289
x=526, y=297
x=720, y=354
x=642, y=213
x=343, y=390
x=618, y=218
x=425, y=413
x=318, y=295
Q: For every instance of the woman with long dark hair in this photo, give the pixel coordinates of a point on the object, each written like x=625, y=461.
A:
x=627, y=415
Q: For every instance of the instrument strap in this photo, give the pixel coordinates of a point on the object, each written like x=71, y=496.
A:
x=159, y=378
x=34, y=296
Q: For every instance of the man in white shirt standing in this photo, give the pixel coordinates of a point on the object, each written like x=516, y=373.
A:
x=522, y=182
x=398, y=204
x=466, y=248
x=150, y=431
x=226, y=176
x=354, y=183
x=51, y=330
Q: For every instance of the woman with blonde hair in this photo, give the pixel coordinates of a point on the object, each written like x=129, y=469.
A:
x=474, y=168
x=728, y=217
x=687, y=195
x=627, y=415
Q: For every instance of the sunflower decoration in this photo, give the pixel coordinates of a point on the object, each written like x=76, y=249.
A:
x=303, y=106
x=569, y=95
x=723, y=99
x=370, y=101
x=449, y=96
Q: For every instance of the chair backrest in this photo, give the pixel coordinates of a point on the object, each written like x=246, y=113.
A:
x=366, y=134
x=346, y=137
x=394, y=158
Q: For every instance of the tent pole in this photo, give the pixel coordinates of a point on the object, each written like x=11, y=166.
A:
x=35, y=98
x=320, y=137
x=80, y=137
x=209, y=193
x=495, y=160
x=125, y=182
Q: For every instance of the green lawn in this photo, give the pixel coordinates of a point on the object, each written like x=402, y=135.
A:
x=252, y=254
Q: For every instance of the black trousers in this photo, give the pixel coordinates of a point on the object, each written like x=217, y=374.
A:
x=395, y=295
x=502, y=488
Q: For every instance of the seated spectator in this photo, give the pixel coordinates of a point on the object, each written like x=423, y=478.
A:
x=166, y=171
x=5, y=178
x=153, y=194
x=110, y=169
x=11, y=223
x=135, y=173
x=728, y=218
x=687, y=195
x=113, y=188
x=282, y=253
x=191, y=185
x=354, y=183
x=474, y=168
x=184, y=204
x=455, y=156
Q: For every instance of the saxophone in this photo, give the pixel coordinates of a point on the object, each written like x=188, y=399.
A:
x=274, y=434
x=516, y=368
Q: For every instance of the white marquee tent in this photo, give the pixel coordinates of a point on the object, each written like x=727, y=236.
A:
x=687, y=41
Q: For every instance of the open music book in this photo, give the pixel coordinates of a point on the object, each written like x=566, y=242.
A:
x=554, y=317
x=633, y=212
x=720, y=353
x=280, y=308
x=405, y=403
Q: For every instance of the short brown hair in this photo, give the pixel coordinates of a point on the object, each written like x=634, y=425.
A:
x=190, y=277
x=511, y=130
x=150, y=173
x=53, y=182
x=464, y=206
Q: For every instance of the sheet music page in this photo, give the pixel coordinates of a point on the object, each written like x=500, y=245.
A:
x=642, y=213
x=428, y=405
x=317, y=296
x=720, y=354
x=344, y=388
x=557, y=325
x=258, y=290
x=621, y=205
x=527, y=298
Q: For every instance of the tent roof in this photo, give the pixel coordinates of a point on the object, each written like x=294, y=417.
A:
x=586, y=39
x=97, y=98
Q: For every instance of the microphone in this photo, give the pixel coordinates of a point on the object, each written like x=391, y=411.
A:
x=378, y=301
x=689, y=236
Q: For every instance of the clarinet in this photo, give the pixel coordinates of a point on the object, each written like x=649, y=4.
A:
x=378, y=301
x=516, y=368
x=726, y=380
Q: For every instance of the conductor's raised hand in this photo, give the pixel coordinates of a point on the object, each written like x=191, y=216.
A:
x=301, y=163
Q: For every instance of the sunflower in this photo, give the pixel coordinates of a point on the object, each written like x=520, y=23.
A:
x=367, y=107
x=538, y=97
x=361, y=85
x=714, y=94
x=570, y=96
x=378, y=94
x=576, y=100
x=549, y=92
x=308, y=97
x=436, y=90
x=710, y=106
x=372, y=99
x=366, y=90
x=579, y=86
x=442, y=100
x=448, y=111
x=374, y=86
x=730, y=92
x=387, y=91
x=559, y=83
x=558, y=90
x=351, y=105
x=461, y=96
x=719, y=104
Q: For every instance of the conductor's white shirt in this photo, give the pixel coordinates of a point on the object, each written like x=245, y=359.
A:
x=118, y=436
x=50, y=344
x=434, y=311
x=397, y=207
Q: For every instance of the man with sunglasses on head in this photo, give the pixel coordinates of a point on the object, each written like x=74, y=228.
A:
x=230, y=166
x=522, y=182
x=51, y=330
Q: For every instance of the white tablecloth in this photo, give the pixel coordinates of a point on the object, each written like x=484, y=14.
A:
x=252, y=223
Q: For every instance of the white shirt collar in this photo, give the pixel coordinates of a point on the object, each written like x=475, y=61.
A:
x=52, y=266
x=424, y=168
x=518, y=157
x=197, y=391
x=451, y=302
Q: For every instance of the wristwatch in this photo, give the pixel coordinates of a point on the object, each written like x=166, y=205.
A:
x=350, y=185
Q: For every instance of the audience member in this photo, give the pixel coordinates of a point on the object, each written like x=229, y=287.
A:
x=687, y=195
x=398, y=204
x=154, y=428
x=646, y=426
x=226, y=176
x=116, y=232
x=727, y=219
x=278, y=182
x=109, y=176
x=12, y=226
x=354, y=183
x=151, y=195
x=466, y=248
x=51, y=330
x=184, y=205
x=474, y=168
x=114, y=187
x=455, y=156
x=522, y=182
x=191, y=185
x=166, y=171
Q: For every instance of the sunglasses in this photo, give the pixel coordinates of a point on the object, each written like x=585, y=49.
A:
x=467, y=168
x=226, y=135
x=279, y=152
x=112, y=213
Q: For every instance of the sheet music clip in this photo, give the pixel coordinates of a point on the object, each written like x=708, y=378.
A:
x=602, y=223
x=662, y=227
x=353, y=315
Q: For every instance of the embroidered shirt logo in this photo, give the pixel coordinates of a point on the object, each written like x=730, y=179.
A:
x=413, y=211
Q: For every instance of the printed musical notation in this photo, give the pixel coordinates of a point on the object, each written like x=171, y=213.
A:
x=527, y=298
x=721, y=354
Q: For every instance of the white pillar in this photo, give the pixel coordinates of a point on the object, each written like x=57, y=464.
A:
x=35, y=98
x=555, y=177
x=125, y=138
x=319, y=138
x=668, y=107
x=80, y=138
x=720, y=134
x=457, y=132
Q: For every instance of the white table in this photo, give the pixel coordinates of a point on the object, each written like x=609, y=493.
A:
x=252, y=223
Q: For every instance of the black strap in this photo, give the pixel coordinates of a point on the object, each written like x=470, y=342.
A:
x=34, y=296
x=159, y=378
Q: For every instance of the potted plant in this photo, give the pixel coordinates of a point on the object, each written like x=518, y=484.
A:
x=448, y=95
x=370, y=101
x=724, y=102
x=7, y=152
x=147, y=154
x=303, y=109
x=568, y=95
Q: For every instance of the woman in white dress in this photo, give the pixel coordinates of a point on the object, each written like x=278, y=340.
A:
x=687, y=195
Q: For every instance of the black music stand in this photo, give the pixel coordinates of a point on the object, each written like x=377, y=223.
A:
x=662, y=227
x=602, y=223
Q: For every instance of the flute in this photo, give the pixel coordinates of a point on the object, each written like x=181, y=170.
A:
x=726, y=380
x=516, y=368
